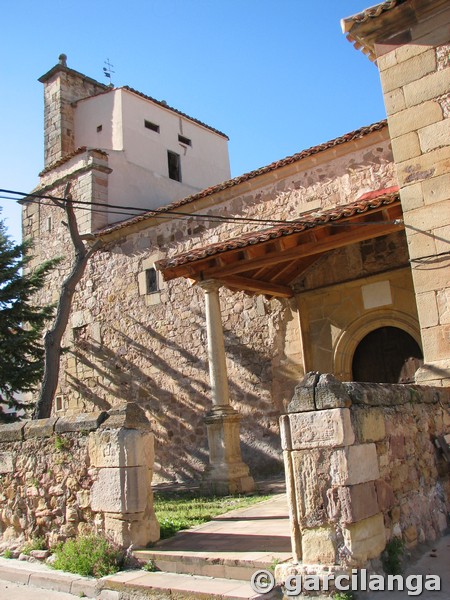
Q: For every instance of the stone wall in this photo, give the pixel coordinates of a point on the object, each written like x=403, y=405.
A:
x=362, y=468
x=415, y=75
x=124, y=344
x=63, y=477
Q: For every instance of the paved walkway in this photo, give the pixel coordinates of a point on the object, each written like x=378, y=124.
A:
x=216, y=559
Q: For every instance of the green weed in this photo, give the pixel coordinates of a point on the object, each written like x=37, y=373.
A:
x=89, y=555
x=61, y=443
x=392, y=557
x=150, y=566
x=37, y=543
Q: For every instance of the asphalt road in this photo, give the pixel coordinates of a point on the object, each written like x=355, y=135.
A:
x=15, y=591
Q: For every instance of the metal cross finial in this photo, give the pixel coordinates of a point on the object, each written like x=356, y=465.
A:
x=107, y=71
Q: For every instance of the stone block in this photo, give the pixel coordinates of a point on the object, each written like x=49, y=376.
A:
x=366, y=539
x=12, y=432
x=412, y=197
x=122, y=490
x=427, y=309
x=303, y=399
x=129, y=415
x=357, y=502
x=406, y=146
x=409, y=70
x=330, y=393
x=385, y=495
x=354, y=465
x=81, y=422
x=6, y=462
x=121, y=448
x=311, y=475
x=431, y=86
x=394, y=101
x=325, y=428
x=139, y=532
x=414, y=118
x=319, y=546
x=40, y=428
x=369, y=425
x=435, y=136
x=438, y=188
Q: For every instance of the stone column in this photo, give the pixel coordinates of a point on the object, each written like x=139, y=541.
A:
x=226, y=472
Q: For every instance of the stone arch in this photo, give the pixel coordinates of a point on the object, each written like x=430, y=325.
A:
x=348, y=341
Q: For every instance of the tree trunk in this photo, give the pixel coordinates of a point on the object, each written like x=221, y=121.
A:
x=53, y=338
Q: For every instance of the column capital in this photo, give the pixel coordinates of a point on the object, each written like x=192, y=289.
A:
x=209, y=285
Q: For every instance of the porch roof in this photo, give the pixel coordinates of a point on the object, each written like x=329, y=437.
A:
x=267, y=261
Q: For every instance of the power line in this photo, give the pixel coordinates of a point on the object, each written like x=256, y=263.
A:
x=168, y=214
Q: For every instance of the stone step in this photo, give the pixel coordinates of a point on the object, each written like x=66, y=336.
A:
x=165, y=586
x=228, y=565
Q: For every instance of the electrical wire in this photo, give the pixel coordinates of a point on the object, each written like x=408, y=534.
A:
x=167, y=214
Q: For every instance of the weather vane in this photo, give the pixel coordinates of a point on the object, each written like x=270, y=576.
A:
x=107, y=71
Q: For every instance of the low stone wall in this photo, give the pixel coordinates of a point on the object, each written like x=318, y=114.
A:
x=69, y=476
x=362, y=468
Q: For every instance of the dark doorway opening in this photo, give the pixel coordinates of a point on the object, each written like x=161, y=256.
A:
x=387, y=355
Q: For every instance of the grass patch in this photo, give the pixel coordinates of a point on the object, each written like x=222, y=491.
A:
x=185, y=509
x=91, y=556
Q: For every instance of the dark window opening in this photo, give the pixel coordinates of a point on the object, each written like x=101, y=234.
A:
x=151, y=277
x=387, y=355
x=99, y=128
x=174, y=165
x=152, y=126
x=184, y=140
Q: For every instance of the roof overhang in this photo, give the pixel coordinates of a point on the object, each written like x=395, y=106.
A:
x=268, y=261
x=378, y=28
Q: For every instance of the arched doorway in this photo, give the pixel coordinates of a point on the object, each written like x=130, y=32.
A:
x=387, y=355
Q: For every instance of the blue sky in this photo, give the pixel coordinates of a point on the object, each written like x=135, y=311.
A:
x=276, y=76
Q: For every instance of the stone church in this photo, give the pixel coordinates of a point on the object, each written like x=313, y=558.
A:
x=210, y=298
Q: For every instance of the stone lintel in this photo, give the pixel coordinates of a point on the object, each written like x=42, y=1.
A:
x=81, y=422
x=12, y=432
x=41, y=428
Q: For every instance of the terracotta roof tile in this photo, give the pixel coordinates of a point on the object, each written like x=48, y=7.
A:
x=348, y=137
x=66, y=158
x=370, y=13
x=365, y=203
x=178, y=112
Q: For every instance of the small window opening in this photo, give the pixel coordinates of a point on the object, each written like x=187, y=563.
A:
x=152, y=126
x=184, y=140
x=151, y=277
x=99, y=128
x=49, y=224
x=174, y=165
x=59, y=402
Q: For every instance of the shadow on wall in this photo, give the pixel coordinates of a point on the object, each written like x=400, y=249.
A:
x=172, y=385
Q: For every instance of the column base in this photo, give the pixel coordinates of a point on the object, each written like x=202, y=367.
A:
x=227, y=473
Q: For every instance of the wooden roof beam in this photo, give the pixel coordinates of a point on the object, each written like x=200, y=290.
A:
x=343, y=238
x=257, y=286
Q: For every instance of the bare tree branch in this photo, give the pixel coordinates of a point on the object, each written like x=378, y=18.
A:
x=53, y=337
